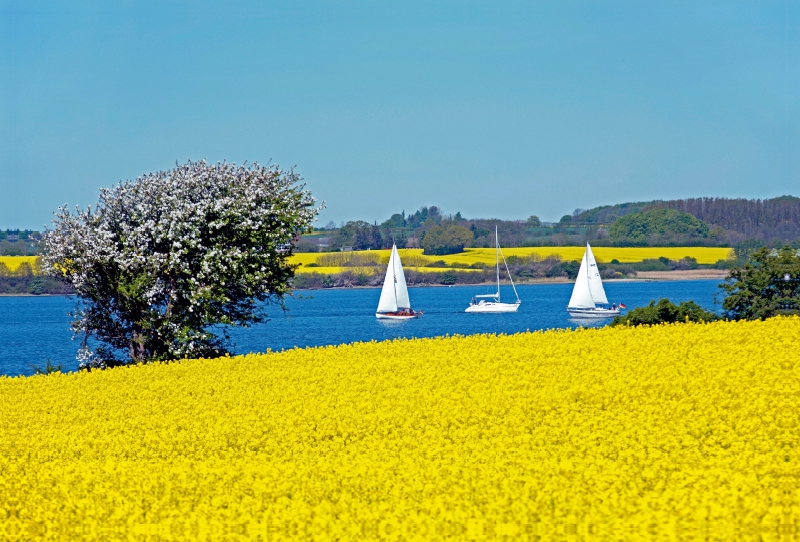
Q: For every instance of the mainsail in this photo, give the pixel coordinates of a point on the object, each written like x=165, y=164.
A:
x=595, y=283
x=581, y=296
x=401, y=290
x=394, y=294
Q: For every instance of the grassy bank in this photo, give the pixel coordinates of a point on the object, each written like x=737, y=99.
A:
x=671, y=432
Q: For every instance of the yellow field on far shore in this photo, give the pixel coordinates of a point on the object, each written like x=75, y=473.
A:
x=13, y=262
x=704, y=255
x=414, y=259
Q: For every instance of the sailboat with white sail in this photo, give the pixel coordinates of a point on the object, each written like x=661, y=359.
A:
x=394, y=303
x=491, y=302
x=588, y=296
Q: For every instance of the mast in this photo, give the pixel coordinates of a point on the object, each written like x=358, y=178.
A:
x=511, y=280
x=497, y=259
x=394, y=275
x=588, y=280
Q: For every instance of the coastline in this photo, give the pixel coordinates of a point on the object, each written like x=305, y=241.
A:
x=642, y=276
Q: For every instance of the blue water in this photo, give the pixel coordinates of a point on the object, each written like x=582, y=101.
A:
x=35, y=329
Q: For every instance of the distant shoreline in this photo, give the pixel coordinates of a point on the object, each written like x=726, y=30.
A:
x=642, y=276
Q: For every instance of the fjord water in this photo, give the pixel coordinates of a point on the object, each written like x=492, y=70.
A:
x=35, y=329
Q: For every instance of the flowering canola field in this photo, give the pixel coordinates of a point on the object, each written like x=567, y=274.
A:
x=704, y=255
x=13, y=262
x=671, y=432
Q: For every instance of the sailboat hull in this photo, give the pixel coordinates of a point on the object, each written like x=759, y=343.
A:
x=491, y=306
x=593, y=313
x=396, y=316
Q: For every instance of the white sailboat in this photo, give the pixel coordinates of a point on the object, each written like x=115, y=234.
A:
x=588, y=292
x=394, y=303
x=491, y=302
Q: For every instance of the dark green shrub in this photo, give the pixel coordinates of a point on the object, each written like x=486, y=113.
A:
x=767, y=285
x=665, y=312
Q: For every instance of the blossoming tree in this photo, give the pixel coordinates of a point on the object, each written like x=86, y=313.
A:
x=164, y=263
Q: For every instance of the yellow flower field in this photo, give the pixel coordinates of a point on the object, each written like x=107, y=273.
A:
x=13, y=262
x=704, y=255
x=677, y=432
x=415, y=257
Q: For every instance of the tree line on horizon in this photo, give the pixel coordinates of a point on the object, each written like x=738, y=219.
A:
x=739, y=223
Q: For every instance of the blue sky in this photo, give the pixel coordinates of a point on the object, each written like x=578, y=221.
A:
x=495, y=109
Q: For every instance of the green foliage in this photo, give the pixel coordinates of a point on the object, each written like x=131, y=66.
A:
x=425, y=214
x=767, y=285
x=439, y=241
x=361, y=235
x=368, y=238
x=607, y=214
x=38, y=286
x=721, y=264
x=571, y=269
x=49, y=368
x=28, y=279
x=395, y=221
x=743, y=250
x=666, y=225
x=566, y=218
x=665, y=312
x=533, y=221
x=448, y=277
x=559, y=269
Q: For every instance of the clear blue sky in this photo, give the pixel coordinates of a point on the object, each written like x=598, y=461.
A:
x=495, y=109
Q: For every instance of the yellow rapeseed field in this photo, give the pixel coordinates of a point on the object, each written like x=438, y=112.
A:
x=676, y=432
x=470, y=256
x=13, y=262
x=704, y=255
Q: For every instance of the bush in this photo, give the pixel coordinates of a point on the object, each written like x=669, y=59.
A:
x=767, y=285
x=651, y=265
x=665, y=312
x=571, y=269
x=448, y=278
x=440, y=241
x=686, y=263
x=308, y=281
